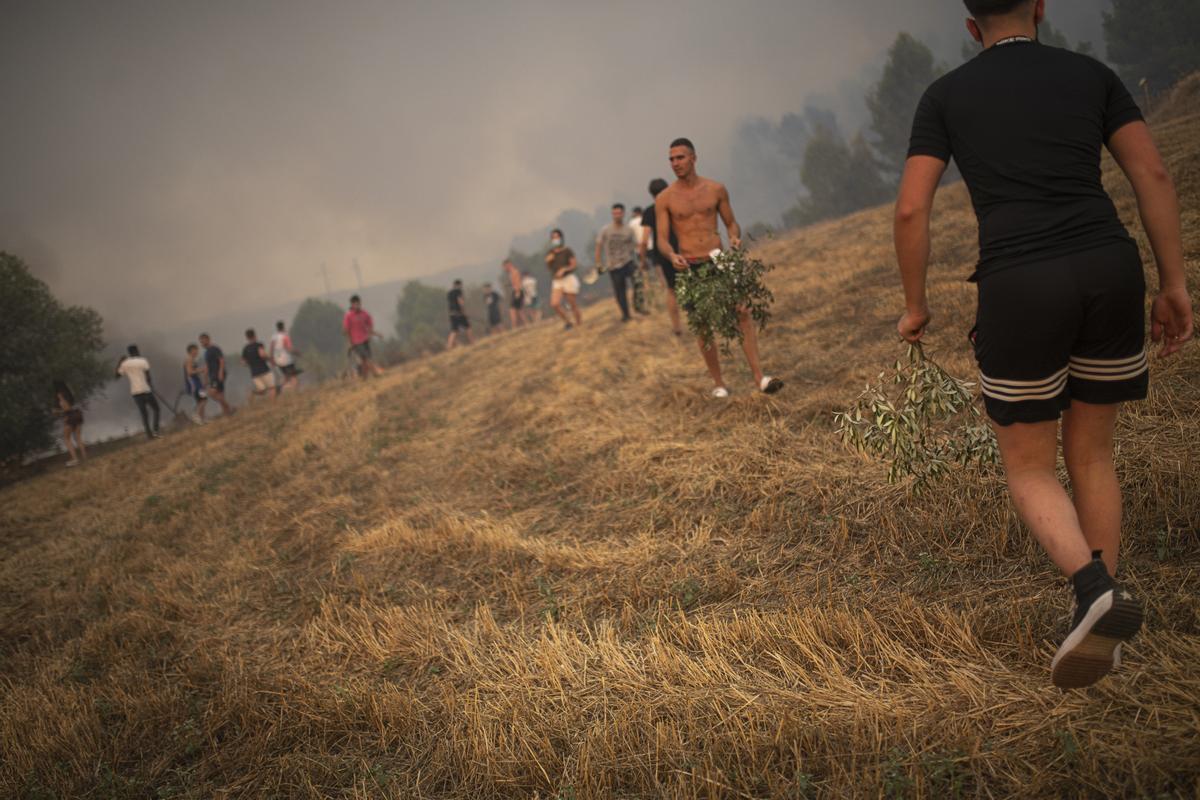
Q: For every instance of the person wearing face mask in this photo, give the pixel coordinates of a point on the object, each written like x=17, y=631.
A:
x=565, y=287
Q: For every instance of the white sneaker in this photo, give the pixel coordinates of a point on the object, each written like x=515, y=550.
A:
x=720, y=393
x=74, y=462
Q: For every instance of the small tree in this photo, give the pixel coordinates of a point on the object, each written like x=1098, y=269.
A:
x=421, y=317
x=1153, y=40
x=41, y=341
x=893, y=101
x=317, y=328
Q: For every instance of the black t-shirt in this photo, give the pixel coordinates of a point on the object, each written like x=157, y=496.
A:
x=454, y=297
x=212, y=358
x=258, y=366
x=492, y=299
x=650, y=221
x=1025, y=124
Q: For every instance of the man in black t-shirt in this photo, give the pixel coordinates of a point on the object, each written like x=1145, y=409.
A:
x=255, y=356
x=214, y=360
x=648, y=247
x=458, y=316
x=1060, y=325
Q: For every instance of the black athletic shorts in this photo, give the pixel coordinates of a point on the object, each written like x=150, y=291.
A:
x=289, y=370
x=517, y=300
x=362, y=349
x=1068, y=328
x=217, y=383
x=458, y=322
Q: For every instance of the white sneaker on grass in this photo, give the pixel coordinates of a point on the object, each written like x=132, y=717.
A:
x=720, y=393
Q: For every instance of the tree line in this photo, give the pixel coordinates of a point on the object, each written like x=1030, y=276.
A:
x=1150, y=43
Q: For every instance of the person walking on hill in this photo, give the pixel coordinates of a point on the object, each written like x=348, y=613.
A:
x=359, y=329
x=283, y=355
x=491, y=302
x=529, y=295
x=616, y=249
x=136, y=370
x=214, y=365
x=565, y=284
x=459, y=322
x=516, y=296
x=1061, y=290
x=255, y=356
x=689, y=209
x=651, y=255
x=195, y=379
x=640, y=288
x=72, y=417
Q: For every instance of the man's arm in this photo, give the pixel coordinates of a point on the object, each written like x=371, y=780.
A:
x=1158, y=205
x=265, y=356
x=914, y=206
x=599, y=247
x=221, y=370
x=725, y=209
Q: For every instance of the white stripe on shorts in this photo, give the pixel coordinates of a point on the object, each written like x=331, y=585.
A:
x=1015, y=391
x=1109, y=370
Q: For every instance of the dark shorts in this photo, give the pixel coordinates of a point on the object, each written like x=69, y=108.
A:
x=517, y=300
x=458, y=322
x=289, y=370
x=73, y=418
x=196, y=388
x=362, y=349
x=216, y=384
x=494, y=321
x=1068, y=328
x=670, y=274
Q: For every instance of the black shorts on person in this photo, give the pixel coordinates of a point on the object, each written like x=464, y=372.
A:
x=217, y=384
x=1070, y=327
x=670, y=274
x=289, y=370
x=516, y=300
x=459, y=322
x=362, y=349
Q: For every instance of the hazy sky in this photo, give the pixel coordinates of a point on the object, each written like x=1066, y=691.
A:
x=172, y=159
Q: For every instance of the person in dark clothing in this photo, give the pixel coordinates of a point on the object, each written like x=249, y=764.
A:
x=491, y=301
x=1060, y=326
x=255, y=356
x=214, y=362
x=458, y=316
x=651, y=253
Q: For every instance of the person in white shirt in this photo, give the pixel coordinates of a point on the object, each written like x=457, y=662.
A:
x=284, y=356
x=137, y=370
x=529, y=292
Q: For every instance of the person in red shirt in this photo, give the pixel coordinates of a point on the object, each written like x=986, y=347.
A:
x=359, y=329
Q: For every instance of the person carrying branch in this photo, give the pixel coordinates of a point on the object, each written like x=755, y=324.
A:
x=688, y=211
x=1060, y=330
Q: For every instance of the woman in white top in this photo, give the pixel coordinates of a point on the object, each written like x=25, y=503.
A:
x=284, y=356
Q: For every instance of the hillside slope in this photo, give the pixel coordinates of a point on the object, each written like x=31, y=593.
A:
x=549, y=566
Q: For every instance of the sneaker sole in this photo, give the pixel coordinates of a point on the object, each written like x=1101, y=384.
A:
x=1090, y=651
x=773, y=386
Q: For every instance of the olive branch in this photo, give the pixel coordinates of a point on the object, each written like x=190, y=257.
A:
x=932, y=424
x=712, y=293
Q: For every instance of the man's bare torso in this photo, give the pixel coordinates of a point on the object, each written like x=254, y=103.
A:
x=693, y=214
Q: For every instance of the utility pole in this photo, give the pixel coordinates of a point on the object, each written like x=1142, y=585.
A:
x=358, y=274
x=325, y=277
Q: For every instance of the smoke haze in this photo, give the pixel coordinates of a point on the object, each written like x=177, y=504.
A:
x=168, y=161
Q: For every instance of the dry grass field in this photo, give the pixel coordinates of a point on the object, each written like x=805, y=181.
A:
x=549, y=566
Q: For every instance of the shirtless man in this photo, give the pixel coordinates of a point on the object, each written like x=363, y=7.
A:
x=689, y=209
x=516, y=297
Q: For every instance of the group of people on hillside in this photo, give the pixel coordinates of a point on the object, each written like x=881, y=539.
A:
x=522, y=306
x=205, y=373
x=677, y=232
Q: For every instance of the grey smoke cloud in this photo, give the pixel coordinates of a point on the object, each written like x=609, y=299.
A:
x=172, y=160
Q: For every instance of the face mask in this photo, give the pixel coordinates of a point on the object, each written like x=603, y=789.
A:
x=556, y=242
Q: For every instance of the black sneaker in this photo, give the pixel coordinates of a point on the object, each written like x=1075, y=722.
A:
x=1097, y=632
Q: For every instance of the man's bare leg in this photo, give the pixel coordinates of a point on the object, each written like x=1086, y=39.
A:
x=712, y=361
x=450, y=340
x=673, y=311
x=1088, y=450
x=750, y=345
x=1030, y=453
